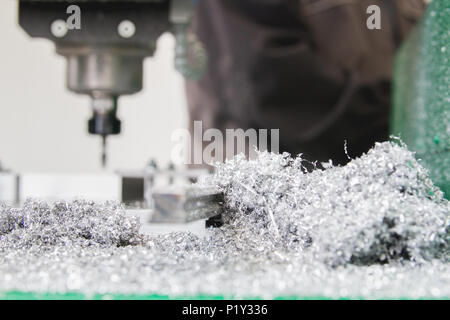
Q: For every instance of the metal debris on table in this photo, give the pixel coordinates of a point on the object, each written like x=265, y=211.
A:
x=374, y=228
x=178, y=204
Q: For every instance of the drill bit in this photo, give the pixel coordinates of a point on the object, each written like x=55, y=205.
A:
x=104, y=155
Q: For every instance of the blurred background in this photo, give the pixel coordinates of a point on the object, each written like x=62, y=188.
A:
x=43, y=125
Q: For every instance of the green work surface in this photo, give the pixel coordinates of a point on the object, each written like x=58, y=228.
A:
x=421, y=111
x=15, y=295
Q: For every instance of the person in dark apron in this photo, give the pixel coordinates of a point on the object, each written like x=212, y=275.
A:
x=311, y=68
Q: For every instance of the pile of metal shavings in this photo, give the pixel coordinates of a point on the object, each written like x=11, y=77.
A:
x=375, y=228
x=378, y=208
x=82, y=223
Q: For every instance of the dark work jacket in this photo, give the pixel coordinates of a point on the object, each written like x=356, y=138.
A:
x=311, y=68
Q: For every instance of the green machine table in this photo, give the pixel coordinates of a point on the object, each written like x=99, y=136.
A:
x=421, y=111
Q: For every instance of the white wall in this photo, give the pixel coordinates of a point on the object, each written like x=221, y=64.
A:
x=43, y=126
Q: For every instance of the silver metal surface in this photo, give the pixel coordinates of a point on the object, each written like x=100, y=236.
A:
x=181, y=204
x=153, y=229
x=110, y=71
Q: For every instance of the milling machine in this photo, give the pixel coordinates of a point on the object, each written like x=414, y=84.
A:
x=105, y=43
